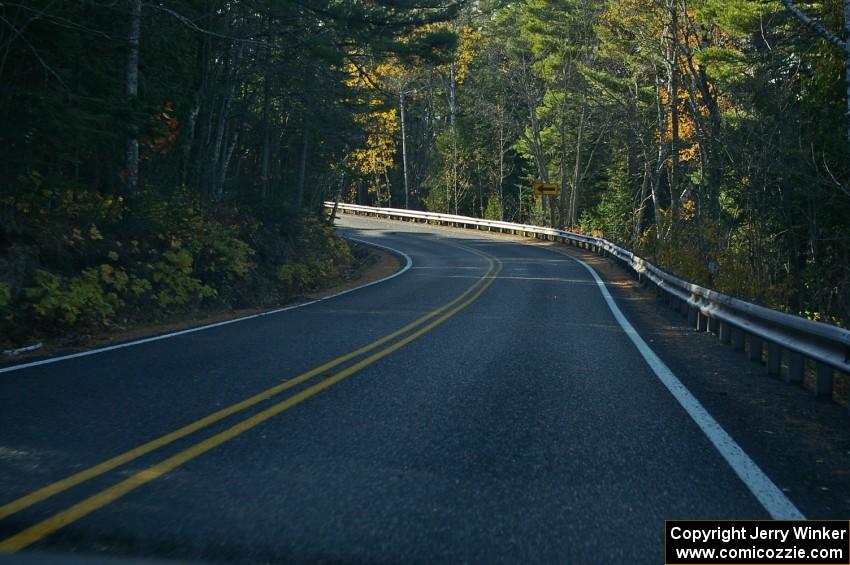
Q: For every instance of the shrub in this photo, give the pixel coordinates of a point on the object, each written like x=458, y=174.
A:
x=175, y=284
x=85, y=299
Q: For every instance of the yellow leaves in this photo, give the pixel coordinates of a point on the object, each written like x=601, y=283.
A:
x=94, y=233
x=112, y=255
x=687, y=127
x=469, y=45
x=379, y=153
x=380, y=123
x=688, y=210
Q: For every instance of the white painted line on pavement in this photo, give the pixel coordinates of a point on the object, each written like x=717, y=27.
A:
x=407, y=266
x=768, y=494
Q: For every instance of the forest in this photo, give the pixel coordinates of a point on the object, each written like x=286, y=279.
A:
x=160, y=157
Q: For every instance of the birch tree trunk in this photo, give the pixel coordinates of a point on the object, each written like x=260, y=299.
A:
x=404, y=149
x=577, y=170
x=501, y=164
x=453, y=125
x=661, y=117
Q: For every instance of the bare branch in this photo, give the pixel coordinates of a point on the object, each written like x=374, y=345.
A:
x=838, y=184
x=46, y=67
x=195, y=27
x=60, y=21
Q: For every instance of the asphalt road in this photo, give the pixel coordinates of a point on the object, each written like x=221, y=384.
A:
x=512, y=420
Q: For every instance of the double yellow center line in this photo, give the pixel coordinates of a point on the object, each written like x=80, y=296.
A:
x=410, y=332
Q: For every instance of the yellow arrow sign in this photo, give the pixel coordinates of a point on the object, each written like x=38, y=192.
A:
x=545, y=188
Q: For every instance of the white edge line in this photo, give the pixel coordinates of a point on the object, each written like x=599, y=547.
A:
x=407, y=266
x=766, y=492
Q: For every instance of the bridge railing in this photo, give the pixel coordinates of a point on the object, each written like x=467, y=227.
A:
x=734, y=320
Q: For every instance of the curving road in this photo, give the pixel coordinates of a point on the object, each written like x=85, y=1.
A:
x=483, y=406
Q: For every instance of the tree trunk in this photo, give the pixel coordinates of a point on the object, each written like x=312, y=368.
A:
x=501, y=165
x=577, y=170
x=132, y=91
x=218, y=149
x=228, y=155
x=404, y=149
x=673, y=101
x=641, y=206
x=337, y=195
x=847, y=65
x=302, y=170
x=453, y=125
x=266, y=157
x=661, y=117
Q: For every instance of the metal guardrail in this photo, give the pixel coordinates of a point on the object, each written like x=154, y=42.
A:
x=734, y=320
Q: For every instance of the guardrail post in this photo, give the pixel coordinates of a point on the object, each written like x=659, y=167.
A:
x=823, y=380
x=774, y=359
x=725, y=333
x=756, y=345
x=702, y=321
x=796, y=367
x=738, y=339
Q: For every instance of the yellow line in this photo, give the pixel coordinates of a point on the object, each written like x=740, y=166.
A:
x=73, y=480
x=73, y=513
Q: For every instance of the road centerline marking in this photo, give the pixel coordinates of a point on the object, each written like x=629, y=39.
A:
x=80, y=477
x=81, y=509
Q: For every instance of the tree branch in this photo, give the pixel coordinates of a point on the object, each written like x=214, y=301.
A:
x=195, y=27
x=815, y=25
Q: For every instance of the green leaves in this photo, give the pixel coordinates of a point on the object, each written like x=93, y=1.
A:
x=728, y=67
